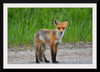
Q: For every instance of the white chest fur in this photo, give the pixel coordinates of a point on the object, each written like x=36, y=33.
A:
x=59, y=36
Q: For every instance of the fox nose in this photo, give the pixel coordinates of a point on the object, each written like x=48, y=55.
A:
x=61, y=32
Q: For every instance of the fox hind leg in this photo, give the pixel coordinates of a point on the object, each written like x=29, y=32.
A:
x=36, y=52
x=40, y=54
x=43, y=49
x=36, y=46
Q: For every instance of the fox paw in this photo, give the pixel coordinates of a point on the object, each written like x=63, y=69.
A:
x=47, y=61
x=55, y=62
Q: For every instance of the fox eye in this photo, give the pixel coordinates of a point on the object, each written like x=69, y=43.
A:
x=63, y=28
x=59, y=28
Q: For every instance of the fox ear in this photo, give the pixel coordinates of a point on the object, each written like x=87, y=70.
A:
x=67, y=20
x=55, y=22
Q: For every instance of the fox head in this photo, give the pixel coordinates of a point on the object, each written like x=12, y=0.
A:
x=60, y=26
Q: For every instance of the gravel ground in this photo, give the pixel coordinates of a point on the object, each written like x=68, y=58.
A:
x=68, y=53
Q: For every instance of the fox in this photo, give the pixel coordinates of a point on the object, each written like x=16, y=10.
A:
x=51, y=37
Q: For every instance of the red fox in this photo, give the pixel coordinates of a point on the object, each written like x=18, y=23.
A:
x=53, y=37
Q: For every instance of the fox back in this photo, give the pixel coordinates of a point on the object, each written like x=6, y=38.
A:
x=45, y=35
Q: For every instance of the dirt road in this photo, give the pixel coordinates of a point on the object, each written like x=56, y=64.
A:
x=80, y=53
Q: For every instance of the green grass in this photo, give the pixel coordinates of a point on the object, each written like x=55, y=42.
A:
x=24, y=22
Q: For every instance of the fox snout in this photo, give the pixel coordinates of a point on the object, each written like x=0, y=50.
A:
x=61, y=32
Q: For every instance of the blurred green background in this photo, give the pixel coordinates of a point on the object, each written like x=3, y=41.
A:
x=24, y=22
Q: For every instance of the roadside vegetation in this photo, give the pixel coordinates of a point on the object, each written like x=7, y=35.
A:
x=23, y=23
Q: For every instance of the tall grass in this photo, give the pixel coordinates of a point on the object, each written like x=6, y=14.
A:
x=24, y=22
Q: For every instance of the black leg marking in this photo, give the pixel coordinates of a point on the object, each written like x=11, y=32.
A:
x=37, y=61
x=54, y=57
x=45, y=59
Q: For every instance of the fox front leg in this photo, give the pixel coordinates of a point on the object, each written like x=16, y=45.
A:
x=56, y=45
x=54, y=48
